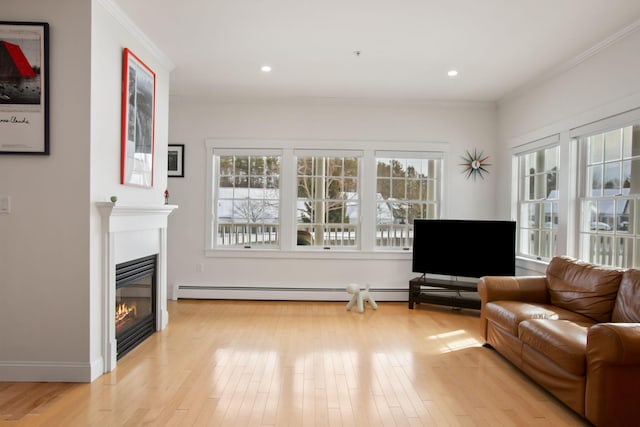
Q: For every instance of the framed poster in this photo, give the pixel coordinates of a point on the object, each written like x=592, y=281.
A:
x=24, y=88
x=138, y=117
x=175, y=162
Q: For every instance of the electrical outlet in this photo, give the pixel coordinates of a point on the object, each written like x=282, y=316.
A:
x=5, y=204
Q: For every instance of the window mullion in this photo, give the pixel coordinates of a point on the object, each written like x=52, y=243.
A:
x=288, y=191
x=211, y=197
x=368, y=201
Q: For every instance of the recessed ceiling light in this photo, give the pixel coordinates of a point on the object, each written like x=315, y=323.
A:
x=265, y=68
x=452, y=73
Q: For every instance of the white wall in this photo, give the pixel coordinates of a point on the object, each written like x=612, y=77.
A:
x=50, y=247
x=603, y=85
x=112, y=31
x=462, y=127
x=44, y=245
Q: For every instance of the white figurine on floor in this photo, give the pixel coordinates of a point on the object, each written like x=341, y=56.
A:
x=360, y=297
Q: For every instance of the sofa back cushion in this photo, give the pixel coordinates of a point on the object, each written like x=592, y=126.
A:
x=627, y=306
x=583, y=288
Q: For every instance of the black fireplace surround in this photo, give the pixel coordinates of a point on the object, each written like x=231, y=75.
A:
x=135, y=315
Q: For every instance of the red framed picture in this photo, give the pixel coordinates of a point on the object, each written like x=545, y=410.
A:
x=138, y=117
x=24, y=88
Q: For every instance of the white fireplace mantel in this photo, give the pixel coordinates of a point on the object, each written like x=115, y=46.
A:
x=130, y=232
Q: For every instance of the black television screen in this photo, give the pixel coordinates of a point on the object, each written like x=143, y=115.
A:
x=464, y=248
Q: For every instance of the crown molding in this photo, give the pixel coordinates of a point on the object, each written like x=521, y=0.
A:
x=575, y=61
x=331, y=101
x=124, y=20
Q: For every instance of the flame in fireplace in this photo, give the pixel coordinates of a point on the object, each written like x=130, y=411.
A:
x=124, y=313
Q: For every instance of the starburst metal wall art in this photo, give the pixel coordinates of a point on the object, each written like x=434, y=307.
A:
x=475, y=164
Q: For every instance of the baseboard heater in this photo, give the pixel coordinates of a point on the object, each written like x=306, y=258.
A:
x=282, y=293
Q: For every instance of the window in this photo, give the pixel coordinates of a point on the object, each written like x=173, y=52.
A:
x=406, y=189
x=306, y=200
x=610, y=189
x=248, y=200
x=538, y=202
x=328, y=201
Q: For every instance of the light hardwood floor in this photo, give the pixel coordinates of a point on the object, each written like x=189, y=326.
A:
x=257, y=363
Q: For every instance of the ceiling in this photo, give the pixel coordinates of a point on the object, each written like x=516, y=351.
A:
x=406, y=47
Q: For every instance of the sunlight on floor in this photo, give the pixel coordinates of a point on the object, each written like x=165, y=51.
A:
x=455, y=340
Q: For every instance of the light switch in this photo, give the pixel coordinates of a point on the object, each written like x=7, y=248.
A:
x=5, y=204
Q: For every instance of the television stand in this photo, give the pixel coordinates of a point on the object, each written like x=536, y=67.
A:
x=452, y=293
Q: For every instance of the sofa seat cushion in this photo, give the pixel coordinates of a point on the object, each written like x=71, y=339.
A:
x=562, y=341
x=509, y=314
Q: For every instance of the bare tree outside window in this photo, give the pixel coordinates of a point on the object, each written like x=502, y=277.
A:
x=322, y=205
x=328, y=200
x=248, y=201
x=406, y=189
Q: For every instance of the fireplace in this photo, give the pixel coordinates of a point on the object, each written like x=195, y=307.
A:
x=135, y=314
x=130, y=233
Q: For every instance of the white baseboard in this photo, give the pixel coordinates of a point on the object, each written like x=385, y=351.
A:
x=282, y=293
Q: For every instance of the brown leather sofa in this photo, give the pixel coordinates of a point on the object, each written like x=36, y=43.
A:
x=574, y=331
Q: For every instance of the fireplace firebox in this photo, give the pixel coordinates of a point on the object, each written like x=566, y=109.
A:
x=135, y=315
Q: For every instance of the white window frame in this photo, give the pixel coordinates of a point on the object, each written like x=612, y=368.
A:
x=344, y=154
x=597, y=237
x=288, y=248
x=410, y=155
x=518, y=177
x=214, y=169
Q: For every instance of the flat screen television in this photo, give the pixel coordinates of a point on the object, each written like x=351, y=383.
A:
x=464, y=248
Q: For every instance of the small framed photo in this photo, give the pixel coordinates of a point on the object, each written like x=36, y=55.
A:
x=175, y=162
x=138, y=116
x=24, y=88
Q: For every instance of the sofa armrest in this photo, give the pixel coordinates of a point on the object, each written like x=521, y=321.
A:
x=515, y=288
x=614, y=343
x=613, y=373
